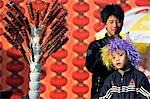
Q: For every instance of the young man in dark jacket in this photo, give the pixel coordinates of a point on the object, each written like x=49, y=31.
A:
x=112, y=16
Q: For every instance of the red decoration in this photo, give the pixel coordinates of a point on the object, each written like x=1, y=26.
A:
x=80, y=75
x=60, y=54
x=1, y=31
x=80, y=89
x=14, y=53
x=58, y=67
x=81, y=7
x=42, y=88
x=102, y=3
x=1, y=3
x=80, y=47
x=38, y=4
x=43, y=74
x=14, y=80
x=58, y=81
x=79, y=61
x=142, y=2
x=1, y=17
x=15, y=66
x=17, y=93
x=64, y=1
x=18, y=1
x=81, y=34
x=125, y=6
x=98, y=26
x=1, y=45
x=81, y=21
x=58, y=94
x=97, y=14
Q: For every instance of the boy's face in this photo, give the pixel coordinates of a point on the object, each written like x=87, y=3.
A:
x=119, y=59
x=113, y=26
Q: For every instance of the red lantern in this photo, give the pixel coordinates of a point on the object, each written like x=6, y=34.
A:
x=13, y=53
x=81, y=7
x=81, y=21
x=43, y=74
x=14, y=80
x=142, y=2
x=64, y=1
x=125, y=6
x=18, y=1
x=58, y=81
x=81, y=34
x=42, y=88
x=15, y=66
x=80, y=75
x=80, y=89
x=60, y=54
x=17, y=94
x=1, y=3
x=98, y=26
x=58, y=94
x=80, y=47
x=97, y=14
x=1, y=17
x=58, y=67
x=1, y=31
x=38, y=4
x=102, y=3
x=79, y=61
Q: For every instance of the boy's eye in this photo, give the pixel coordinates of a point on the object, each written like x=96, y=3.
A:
x=121, y=54
x=113, y=57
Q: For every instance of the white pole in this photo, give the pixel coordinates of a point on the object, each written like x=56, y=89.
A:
x=35, y=66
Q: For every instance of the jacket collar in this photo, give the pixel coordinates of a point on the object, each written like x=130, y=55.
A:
x=124, y=72
x=111, y=37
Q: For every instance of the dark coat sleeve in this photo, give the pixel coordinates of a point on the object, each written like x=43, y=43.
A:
x=93, y=61
x=144, y=88
x=106, y=89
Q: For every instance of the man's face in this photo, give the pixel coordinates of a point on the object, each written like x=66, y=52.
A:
x=113, y=25
x=119, y=59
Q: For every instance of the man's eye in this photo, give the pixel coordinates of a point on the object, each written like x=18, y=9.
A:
x=111, y=22
x=118, y=22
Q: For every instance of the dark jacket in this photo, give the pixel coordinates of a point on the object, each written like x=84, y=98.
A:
x=95, y=65
x=132, y=85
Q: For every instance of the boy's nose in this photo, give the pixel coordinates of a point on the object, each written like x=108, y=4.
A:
x=117, y=58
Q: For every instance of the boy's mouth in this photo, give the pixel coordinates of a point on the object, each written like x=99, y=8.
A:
x=118, y=63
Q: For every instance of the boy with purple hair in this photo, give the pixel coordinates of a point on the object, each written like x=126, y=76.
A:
x=126, y=82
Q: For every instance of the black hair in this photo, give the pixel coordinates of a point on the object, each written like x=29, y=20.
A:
x=113, y=9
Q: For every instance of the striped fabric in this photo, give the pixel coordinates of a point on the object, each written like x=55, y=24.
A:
x=132, y=85
x=126, y=90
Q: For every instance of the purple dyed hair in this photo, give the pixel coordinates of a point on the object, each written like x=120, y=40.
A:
x=125, y=45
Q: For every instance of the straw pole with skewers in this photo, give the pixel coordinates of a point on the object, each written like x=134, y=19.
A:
x=31, y=35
